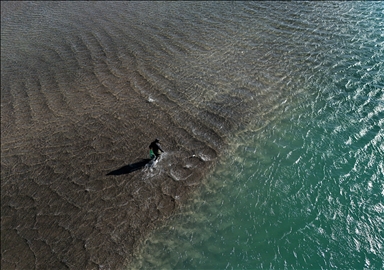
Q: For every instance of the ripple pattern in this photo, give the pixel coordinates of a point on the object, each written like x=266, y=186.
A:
x=85, y=88
x=306, y=190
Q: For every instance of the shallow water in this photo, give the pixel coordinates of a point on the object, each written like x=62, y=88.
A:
x=288, y=95
x=306, y=190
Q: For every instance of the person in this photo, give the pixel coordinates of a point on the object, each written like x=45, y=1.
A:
x=155, y=150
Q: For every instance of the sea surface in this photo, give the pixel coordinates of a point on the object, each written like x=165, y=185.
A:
x=288, y=96
x=306, y=190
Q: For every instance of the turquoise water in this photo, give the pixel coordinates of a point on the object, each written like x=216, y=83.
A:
x=288, y=94
x=305, y=190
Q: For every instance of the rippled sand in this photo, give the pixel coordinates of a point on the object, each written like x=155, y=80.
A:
x=86, y=86
x=80, y=101
x=59, y=208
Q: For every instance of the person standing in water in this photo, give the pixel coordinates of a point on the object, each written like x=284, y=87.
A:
x=155, y=150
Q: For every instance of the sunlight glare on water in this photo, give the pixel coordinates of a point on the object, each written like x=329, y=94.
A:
x=306, y=189
x=286, y=98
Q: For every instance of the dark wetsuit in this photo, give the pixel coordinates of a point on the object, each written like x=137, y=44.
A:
x=156, y=148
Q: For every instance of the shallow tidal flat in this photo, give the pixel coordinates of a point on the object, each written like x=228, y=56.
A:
x=84, y=90
x=59, y=208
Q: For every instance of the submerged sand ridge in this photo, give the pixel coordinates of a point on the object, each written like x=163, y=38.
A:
x=85, y=88
x=59, y=209
x=80, y=100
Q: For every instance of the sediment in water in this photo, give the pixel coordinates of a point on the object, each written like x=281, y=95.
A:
x=79, y=102
x=59, y=206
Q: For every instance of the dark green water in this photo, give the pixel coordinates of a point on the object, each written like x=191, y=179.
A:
x=306, y=190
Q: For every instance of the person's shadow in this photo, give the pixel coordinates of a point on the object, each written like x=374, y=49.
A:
x=131, y=167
